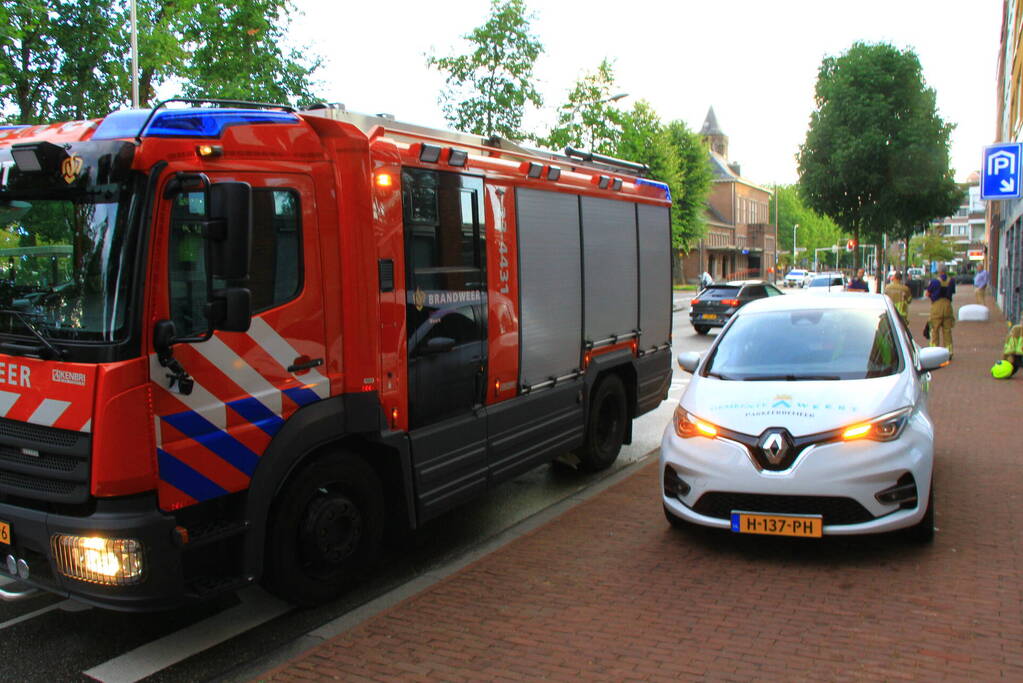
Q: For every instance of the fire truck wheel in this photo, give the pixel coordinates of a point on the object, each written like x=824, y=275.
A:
x=605, y=429
x=325, y=531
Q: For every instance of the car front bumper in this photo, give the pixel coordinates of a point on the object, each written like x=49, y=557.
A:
x=855, y=470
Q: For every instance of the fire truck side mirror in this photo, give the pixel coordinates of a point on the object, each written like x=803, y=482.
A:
x=164, y=333
x=231, y=208
x=230, y=309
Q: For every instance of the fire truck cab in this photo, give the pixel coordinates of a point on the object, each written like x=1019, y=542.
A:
x=238, y=342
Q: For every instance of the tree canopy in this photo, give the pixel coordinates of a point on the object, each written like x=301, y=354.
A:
x=52, y=69
x=488, y=88
x=876, y=152
x=814, y=232
x=588, y=119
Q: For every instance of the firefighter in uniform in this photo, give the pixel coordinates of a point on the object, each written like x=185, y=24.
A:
x=900, y=296
x=940, y=292
x=1013, y=350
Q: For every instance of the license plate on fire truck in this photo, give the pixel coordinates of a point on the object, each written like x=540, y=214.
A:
x=5, y=533
x=777, y=525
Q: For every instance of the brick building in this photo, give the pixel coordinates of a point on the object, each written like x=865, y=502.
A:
x=1005, y=217
x=741, y=238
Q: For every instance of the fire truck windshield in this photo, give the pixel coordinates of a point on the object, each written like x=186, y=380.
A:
x=63, y=266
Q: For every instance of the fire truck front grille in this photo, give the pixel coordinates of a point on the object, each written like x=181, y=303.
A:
x=43, y=463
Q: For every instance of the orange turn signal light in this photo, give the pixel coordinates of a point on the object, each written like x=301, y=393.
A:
x=384, y=180
x=856, y=432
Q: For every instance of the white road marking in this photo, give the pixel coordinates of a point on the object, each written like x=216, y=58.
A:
x=257, y=607
x=33, y=615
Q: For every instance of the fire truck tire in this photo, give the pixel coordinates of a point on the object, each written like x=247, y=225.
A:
x=325, y=531
x=605, y=428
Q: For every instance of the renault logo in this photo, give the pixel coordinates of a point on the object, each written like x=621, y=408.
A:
x=774, y=446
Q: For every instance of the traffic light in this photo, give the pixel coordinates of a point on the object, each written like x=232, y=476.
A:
x=851, y=245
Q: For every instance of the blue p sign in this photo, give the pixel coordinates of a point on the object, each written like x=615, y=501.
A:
x=1001, y=173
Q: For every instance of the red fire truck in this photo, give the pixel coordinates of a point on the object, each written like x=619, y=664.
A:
x=238, y=341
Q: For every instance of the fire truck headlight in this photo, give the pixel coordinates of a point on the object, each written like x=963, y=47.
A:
x=106, y=561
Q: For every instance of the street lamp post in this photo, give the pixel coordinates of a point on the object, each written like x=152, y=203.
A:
x=795, y=226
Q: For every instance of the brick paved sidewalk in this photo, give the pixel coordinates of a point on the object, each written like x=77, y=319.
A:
x=609, y=591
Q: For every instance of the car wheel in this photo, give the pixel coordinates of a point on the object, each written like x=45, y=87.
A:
x=605, y=428
x=325, y=530
x=923, y=531
x=701, y=329
x=674, y=521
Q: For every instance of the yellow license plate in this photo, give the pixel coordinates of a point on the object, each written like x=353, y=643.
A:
x=710, y=316
x=5, y=533
x=777, y=525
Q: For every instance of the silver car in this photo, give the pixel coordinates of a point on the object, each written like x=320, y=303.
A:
x=807, y=417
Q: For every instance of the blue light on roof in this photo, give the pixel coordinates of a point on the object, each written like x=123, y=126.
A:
x=185, y=123
x=13, y=127
x=658, y=184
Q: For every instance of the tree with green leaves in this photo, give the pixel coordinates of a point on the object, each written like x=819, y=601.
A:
x=932, y=245
x=588, y=119
x=814, y=232
x=52, y=69
x=876, y=144
x=690, y=203
x=488, y=88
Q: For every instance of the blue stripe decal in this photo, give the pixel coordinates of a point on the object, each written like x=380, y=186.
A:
x=185, y=479
x=302, y=397
x=258, y=414
x=194, y=426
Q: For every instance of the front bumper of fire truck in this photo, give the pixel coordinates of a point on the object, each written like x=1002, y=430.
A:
x=121, y=556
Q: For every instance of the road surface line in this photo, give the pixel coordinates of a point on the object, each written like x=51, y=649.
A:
x=257, y=607
x=32, y=615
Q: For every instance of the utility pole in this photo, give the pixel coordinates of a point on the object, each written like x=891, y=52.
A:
x=134, y=57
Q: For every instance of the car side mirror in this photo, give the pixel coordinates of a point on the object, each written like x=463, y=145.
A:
x=689, y=360
x=164, y=333
x=932, y=358
x=230, y=309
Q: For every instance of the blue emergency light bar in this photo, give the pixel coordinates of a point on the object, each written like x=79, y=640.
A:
x=184, y=123
x=658, y=184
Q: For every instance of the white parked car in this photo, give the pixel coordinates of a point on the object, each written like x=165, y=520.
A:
x=826, y=282
x=807, y=417
x=794, y=278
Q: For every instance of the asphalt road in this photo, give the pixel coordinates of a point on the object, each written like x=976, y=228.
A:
x=50, y=639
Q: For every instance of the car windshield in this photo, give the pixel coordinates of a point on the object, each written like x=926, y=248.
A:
x=716, y=292
x=813, y=344
x=62, y=266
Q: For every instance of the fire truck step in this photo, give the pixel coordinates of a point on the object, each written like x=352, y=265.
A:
x=201, y=537
x=204, y=587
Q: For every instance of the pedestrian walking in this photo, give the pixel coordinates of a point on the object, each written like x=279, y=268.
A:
x=941, y=320
x=858, y=284
x=900, y=296
x=980, y=283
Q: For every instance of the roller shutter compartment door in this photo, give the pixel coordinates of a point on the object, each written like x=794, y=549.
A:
x=550, y=284
x=654, y=229
x=609, y=268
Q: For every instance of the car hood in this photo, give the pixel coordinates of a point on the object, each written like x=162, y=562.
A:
x=801, y=407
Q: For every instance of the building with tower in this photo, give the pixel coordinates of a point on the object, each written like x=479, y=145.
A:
x=741, y=239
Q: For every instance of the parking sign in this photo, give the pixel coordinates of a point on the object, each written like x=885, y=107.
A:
x=1001, y=172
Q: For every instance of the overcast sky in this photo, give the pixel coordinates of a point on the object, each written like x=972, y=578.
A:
x=755, y=62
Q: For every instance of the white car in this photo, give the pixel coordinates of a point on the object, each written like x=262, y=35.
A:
x=826, y=282
x=810, y=275
x=807, y=417
x=794, y=278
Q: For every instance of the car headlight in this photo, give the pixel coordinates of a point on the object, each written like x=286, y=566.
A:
x=887, y=427
x=687, y=425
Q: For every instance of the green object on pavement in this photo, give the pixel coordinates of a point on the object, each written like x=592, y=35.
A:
x=1001, y=370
